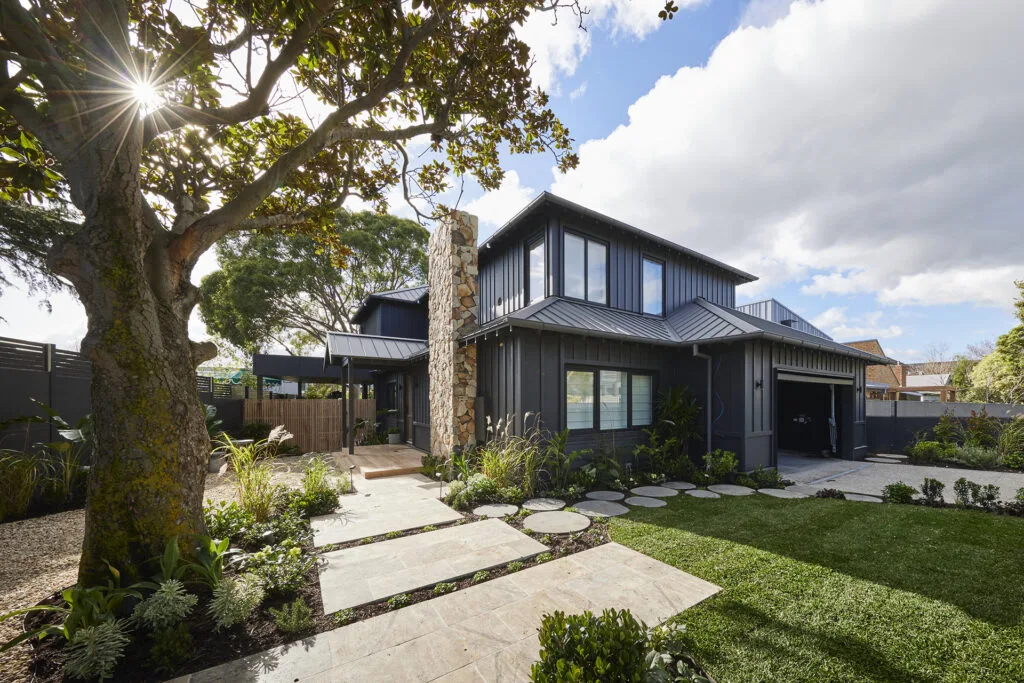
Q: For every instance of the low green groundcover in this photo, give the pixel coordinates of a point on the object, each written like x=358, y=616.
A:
x=830, y=590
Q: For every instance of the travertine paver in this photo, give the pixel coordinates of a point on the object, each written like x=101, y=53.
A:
x=606, y=495
x=486, y=632
x=679, y=485
x=380, y=506
x=781, y=493
x=496, y=510
x=601, y=508
x=364, y=573
x=701, y=493
x=646, y=502
x=731, y=489
x=556, y=522
x=544, y=504
x=654, y=491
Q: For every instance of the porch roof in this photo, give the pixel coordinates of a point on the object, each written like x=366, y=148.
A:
x=381, y=351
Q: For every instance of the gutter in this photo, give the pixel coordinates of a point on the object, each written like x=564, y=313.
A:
x=707, y=409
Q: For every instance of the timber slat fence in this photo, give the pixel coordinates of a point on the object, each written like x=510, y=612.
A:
x=316, y=423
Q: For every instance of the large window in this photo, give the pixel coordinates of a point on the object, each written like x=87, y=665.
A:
x=537, y=271
x=585, y=269
x=624, y=399
x=654, y=287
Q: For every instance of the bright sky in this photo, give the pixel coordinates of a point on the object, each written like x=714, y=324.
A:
x=862, y=157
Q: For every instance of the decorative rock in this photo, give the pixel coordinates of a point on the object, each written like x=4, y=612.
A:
x=731, y=489
x=601, y=508
x=701, y=493
x=887, y=460
x=556, y=522
x=496, y=510
x=605, y=495
x=654, y=491
x=645, y=502
x=544, y=504
x=782, y=493
x=679, y=485
x=862, y=498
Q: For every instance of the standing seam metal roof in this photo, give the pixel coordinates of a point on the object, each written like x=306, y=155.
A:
x=369, y=347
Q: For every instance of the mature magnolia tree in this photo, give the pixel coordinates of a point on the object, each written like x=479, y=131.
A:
x=289, y=290
x=168, y=126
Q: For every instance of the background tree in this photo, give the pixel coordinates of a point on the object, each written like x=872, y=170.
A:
x=170, y=126
x=289, y=290
x=999, y=376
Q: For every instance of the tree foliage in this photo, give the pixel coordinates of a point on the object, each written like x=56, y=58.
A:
x=290, y=289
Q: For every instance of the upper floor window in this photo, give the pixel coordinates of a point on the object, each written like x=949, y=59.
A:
x=585, y=269
x=536, y=271
x=654, y=287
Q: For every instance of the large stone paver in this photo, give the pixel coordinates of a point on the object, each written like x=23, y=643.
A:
x=483, y=633
x=364, y=573
x=383, y=505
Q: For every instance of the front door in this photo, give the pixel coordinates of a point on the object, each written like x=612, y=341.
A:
x=409, y=385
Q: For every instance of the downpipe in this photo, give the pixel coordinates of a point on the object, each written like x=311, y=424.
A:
x=707, y=357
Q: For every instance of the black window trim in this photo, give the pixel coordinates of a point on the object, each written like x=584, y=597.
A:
x=595, y=371
x=587, y=239
x=653, y=259
x=531, y=242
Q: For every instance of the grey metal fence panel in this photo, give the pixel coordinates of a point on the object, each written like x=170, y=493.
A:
x=893, y=425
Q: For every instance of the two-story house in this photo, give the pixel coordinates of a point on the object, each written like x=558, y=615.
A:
x=580, y=320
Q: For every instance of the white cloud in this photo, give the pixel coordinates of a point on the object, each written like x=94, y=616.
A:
x=496, y=207
x=578, y=91
x=874, y=144
x=759, y=13
x=840, y=325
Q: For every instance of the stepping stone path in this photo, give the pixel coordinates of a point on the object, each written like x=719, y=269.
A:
x=600, y=508
x=496, y=510
x=887, y=460
x=605, y=495
x=731, y=489
x=862, y=498
x=781, y=493
x=645, y=502
x=892, y=456
x=544, y=504
x=700, y=493
x=679, y=485
x=556, y=522
x=654, y=491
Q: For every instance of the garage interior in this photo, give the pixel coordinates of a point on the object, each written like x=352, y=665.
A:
x=810, y=417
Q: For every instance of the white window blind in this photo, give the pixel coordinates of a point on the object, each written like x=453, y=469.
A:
x=579, y=399
x=613, y=399
x=643, y=409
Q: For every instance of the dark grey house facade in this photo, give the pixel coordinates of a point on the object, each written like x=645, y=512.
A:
x=580, y=321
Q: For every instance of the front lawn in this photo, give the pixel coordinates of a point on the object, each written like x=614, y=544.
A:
x=830, y=590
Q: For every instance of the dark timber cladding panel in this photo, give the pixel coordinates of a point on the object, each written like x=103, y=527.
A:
x=498, y=380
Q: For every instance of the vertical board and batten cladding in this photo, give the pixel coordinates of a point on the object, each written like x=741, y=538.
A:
x=420, y=405
x=773, y=311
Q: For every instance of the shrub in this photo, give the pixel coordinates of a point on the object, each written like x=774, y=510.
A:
x=976, y=456
x=227, y=520
x=480, y=488
x=512, y=460
x=282, y=568
x=514, y=566
x=308, y=504
x=399, y=601
x=767, y=478
x=1020, y=495
x=972, y=494
x=981, y=429
x=1011, y=444
x=510, y=494
x=931, y=451
x=253, y=484
x=584, y=647
x=899, y=493
x=234, y=599
x=544, y=557
x=344, y=616
x=720, y=466
x=93, y=652
x=293, y=617
x=744, y=480
x=443, y=588
x=932, y=490
x=947, y=429
x=19, y=472
x=393, y=534
x=169, y=649
x=483, y=574
x=166, y=607
x=830, y=493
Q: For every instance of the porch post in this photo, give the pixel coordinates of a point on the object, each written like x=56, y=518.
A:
x=351, y=410
x=344, y=414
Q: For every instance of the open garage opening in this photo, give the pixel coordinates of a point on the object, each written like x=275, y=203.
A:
x=814, y=415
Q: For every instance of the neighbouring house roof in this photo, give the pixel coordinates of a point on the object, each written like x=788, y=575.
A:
x=931, y=367
x=548, y=199
x=878, y=374
x=406, y=295
x=377, y=350
x=697, y=322
x=777, y=312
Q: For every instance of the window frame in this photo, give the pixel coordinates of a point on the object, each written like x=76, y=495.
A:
x=653, y=259
x=595, y=371
x=530, y=245
x=587, y=239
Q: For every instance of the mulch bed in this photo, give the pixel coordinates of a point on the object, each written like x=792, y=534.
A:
x=259, y=633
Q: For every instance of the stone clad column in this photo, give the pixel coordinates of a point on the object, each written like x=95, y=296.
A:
x=454, y=311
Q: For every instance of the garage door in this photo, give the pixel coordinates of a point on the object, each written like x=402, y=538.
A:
x=815, y=379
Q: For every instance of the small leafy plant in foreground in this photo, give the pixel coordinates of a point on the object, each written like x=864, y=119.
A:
x=899, y=493
x=443, y=588
x=399, y=601
x=830, y=493
x=234, y=599
x=293, y=617
x=481, y=575
x=344, y=616
x=514, y=566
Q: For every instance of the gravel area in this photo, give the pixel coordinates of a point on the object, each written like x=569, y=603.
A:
x=40, y=555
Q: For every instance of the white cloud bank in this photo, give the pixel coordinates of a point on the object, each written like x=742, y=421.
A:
x=874, y=144
x=841, y=326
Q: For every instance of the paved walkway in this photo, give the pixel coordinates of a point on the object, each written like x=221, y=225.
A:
x=857, y=476
x=486, y=632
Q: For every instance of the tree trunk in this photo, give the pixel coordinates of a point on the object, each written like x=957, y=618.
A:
x=151, y=450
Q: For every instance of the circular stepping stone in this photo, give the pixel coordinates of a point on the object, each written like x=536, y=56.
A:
x=601, y=508
x=731, y=489
x=892, y=456
x=605, y=495
x=679, y=485
x=861, y=498
x=701, y=493
x=654, y=492
x=782, y=493
x=544, y=504
x=496, y=510
x=645, y=502
x=556, y=522
x=889, y=461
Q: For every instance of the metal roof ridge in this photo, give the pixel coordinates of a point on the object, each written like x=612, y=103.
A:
x=374, y=336
x=726, y=315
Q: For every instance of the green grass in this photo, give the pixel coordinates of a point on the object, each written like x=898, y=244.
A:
x=830, y=590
